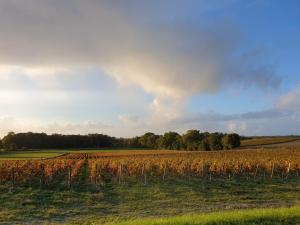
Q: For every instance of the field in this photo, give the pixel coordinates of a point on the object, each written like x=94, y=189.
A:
x=243, y=217
x=116, y=202
x=268, y=141
x=256, y=142
x=51, y=153
x=140, y=187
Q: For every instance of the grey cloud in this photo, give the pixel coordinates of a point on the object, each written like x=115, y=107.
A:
x=270, y=113
x=166, y=53
x=290, y=101
x=219, y=117
x=250, y=123
x=254, y=70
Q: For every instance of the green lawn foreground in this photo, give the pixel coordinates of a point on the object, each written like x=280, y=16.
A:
x=114, y=202
x=280, y=216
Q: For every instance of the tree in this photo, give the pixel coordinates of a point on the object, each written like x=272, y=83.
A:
x=231, y=141
x=8, y=140
x=204, y=145
x=170, y=140
x=191, y=140
x=215, y=141
x=149, y=140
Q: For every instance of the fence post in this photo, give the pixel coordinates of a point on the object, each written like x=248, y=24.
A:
x=69, y=177
x=288, y=170
x=272, y=172
x=120, y=173
x=164, y=172
x=13, y=177
x=256, y=171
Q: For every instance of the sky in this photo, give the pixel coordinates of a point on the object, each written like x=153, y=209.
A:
x=124, y=68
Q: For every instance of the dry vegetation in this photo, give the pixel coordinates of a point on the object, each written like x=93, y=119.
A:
x=99, y=186
x=145, y=165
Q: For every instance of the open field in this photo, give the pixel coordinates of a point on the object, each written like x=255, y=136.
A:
x=142, y=165
x=131, y=200
x=29, y=154
x=149, y=112
x=51, y=153
x=282, y=216
x=142, y=186
x=260, y=142
x=265, y=141
x=112, y=187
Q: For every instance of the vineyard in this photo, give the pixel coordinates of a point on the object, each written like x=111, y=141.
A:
x=96, y=169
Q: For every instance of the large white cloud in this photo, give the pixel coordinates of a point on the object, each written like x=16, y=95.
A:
x=171, y=56
x=160, y=46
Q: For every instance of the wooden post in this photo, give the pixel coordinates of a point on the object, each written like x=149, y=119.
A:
x=69, y=177
x=13, y=177
x=120, y=173
x=143, y=168
x=272, y=172
x=144, y=173
x=164, y=172
x=96, y=175
x=256, y=170
x=288, y=170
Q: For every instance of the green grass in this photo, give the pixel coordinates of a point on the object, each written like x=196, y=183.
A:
x=280, y=216
x=40, y=154
x=130, y=200
x=27, y=154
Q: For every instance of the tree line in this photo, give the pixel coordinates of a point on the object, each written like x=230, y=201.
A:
x=192, y=140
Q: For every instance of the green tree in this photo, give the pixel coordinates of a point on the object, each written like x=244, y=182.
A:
x=170, y=140
x=204, y=145
x=215, y=141
x=191, y=140
x=231, y=141
x=149, y=140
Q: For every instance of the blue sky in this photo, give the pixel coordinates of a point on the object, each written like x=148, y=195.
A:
x=125, y=69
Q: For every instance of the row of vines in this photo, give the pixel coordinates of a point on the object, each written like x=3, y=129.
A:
x=98, y=168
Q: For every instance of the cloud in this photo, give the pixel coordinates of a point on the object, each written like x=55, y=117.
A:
x=8, y=124
x=167, y=48
x=174, y=56
x=236, y=127
x=273, y=121
x=128, y=119
x=290, y=101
